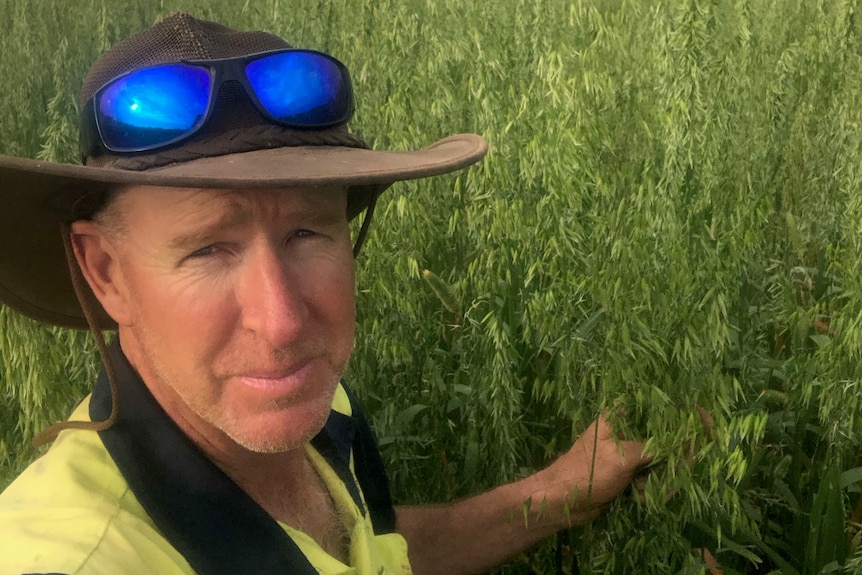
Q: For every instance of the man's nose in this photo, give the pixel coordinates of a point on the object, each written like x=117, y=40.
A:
x=270, y=297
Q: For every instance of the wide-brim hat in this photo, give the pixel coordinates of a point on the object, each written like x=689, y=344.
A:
x=238, y=149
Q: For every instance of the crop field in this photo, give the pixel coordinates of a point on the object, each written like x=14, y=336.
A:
x=670, y=216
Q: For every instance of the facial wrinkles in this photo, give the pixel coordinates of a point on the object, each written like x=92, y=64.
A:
x=240, y=353
x=229, y=215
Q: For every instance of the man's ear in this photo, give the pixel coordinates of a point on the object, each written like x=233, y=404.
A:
x=97, y=258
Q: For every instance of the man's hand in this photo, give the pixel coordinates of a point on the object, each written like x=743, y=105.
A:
x=596, y=469
x=475, y=534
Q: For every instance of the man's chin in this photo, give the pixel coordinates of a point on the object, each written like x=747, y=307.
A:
x=270, y=446
x=279, y=435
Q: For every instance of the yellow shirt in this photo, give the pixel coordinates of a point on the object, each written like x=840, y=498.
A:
x=72, y=512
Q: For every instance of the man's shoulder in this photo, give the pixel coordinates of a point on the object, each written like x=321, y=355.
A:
x=71, y=511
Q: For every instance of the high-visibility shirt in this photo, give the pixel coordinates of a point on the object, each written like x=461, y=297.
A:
x=142, y=498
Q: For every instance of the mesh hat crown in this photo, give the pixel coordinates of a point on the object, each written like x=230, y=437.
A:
x=237, y=149
x=178, y=37
x=236, y=126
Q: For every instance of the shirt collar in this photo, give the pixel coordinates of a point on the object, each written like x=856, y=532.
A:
x=215, y=525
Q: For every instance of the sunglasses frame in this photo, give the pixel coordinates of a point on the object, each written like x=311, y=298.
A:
x=220, y=71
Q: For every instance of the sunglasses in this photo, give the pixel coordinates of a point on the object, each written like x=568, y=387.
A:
x=163, y=105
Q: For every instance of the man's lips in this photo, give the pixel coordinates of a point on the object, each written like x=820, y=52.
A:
x=278, y=381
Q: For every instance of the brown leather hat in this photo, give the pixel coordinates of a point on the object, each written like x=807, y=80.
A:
x=237, y=149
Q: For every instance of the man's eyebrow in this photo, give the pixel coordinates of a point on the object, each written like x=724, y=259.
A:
x=203, y=233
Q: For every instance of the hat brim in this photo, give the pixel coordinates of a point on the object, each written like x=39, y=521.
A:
x=37, y=198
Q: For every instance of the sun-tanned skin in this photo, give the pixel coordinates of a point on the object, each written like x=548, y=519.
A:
x=237, y=310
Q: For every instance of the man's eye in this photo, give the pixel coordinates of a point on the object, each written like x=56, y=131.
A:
x=303, y=233
x=203, y=252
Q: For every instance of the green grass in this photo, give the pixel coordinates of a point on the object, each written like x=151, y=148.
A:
x=669, y=216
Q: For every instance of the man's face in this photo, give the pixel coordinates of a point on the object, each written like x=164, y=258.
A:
x=240, y=307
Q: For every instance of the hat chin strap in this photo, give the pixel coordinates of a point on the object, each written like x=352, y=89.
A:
x=79, y=284
x=366, y=223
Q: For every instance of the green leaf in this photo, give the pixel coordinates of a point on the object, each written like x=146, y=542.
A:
x=406, y=416
x=850, y=477
x=826, y=535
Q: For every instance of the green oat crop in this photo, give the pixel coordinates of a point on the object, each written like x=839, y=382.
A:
x=670, y=216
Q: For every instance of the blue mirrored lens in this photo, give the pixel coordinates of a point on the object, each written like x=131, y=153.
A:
x=153, y=107
x=301, y=88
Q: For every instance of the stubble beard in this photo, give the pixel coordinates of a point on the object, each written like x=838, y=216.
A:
x=228, y=422
x=235, y=427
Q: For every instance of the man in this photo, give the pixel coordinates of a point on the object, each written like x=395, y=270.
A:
x=209, y=226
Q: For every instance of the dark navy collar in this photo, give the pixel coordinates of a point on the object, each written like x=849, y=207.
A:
x=216, y=526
